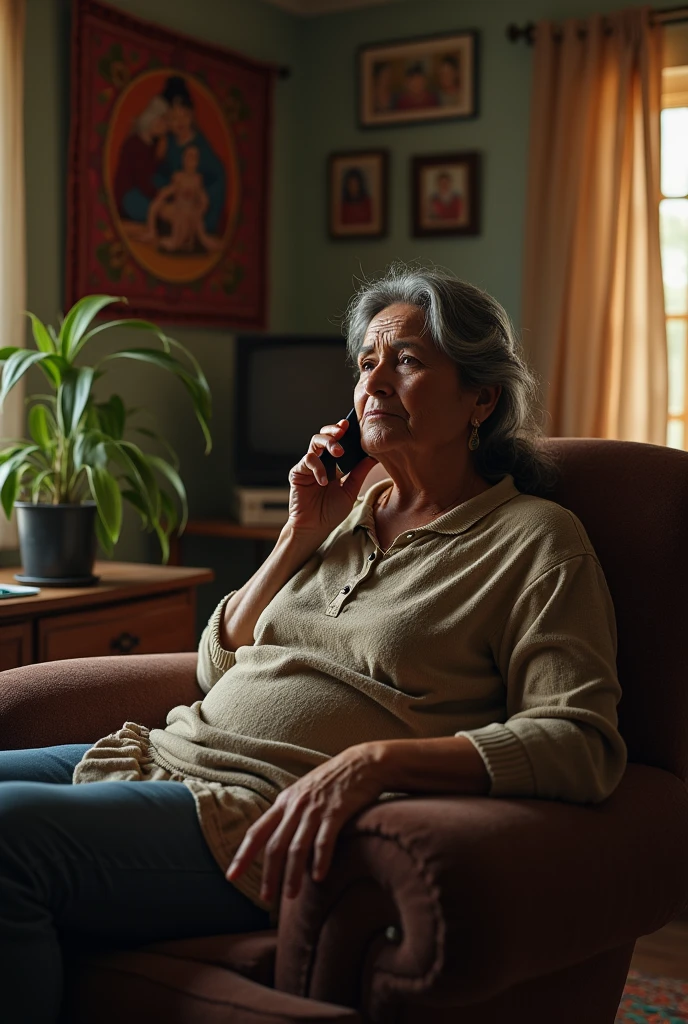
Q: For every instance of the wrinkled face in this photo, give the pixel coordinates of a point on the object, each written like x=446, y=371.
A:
x=408, y=395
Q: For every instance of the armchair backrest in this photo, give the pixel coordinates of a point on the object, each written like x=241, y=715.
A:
x=633, y=501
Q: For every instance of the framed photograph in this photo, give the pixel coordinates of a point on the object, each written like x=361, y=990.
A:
x=428, y=79
x=357, y=194
x=169, y=172
x=446, y=195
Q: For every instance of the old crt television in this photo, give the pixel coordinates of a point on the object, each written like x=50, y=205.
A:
x=286, y=388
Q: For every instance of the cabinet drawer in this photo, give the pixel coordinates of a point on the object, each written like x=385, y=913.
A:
x=15, y=646
x=158, y=626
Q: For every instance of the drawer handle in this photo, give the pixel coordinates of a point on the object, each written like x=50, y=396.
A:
x=124, y=643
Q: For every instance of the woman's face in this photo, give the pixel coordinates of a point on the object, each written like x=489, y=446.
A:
x=159, y=126
x=353, y=187
x=408, y=395
x=181, y=118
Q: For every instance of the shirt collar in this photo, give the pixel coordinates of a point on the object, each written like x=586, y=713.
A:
x=457, y=520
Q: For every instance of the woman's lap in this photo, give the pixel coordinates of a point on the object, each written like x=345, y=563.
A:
x=121, y=863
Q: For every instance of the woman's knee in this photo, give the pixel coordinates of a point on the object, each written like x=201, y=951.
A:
x=27, y=820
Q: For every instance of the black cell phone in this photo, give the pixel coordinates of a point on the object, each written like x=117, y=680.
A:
x=353, y=452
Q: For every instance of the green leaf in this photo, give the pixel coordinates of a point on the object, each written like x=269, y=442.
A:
x=9, y=469
x=112, y=416
x=39, y=482
x=90, y=450
x=41, y=425
x=7, y=351
x=15, y=368
x=134, y=498
x=54, y=367
x=164, y=543
x=44, y=343
x=198, y=389
x=141, y=475
x=170, y=512
x=135, y=324
x=8, y=494
x=108, y=499
x=78, y=320
x=176, y=481
x=75, y=391
x=174, y=458
x=103, y=538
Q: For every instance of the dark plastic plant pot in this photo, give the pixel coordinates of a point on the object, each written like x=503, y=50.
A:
x=57, y=542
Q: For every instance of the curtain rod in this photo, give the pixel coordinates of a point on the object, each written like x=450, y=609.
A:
x=665, y=16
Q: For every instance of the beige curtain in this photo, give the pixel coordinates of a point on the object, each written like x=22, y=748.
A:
x=12, y=235
x=593, y=304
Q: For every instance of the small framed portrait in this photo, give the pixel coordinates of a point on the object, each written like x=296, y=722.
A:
x=428, y=79
x=357, y=194
x=446, y=195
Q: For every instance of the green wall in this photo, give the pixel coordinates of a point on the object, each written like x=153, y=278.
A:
x=500, y=133
x=315, y=114
x=260, y=30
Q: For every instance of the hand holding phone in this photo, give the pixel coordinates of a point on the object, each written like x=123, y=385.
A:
x=353, y=452
x=318, y=501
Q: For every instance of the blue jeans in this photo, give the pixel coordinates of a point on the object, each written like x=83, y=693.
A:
x=108, y=864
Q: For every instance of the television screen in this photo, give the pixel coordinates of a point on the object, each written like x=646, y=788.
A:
x=286, y=388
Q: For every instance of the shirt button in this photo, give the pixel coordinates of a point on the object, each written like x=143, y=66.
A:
x=345, y=590
x=371, y=558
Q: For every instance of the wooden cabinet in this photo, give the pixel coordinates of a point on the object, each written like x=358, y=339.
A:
x=134, y=609
x=15, y=645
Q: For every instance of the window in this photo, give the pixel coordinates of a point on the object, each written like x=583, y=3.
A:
x=673, y=216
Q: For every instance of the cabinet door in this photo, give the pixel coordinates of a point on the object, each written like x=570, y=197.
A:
x=159, y=625
x=15, y=646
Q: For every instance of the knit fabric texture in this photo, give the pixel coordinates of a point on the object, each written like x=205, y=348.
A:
x=493, y=622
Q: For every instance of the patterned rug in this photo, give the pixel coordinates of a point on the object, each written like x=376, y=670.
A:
x=651, y=1000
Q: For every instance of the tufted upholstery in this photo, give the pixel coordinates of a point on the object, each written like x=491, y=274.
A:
x=442, y=909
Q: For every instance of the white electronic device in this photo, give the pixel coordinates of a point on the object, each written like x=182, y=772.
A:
x=262, y=506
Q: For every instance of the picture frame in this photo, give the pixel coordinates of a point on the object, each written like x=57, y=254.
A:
x=357, y=194
x=169, y=172
x=445, y=195
x=424, y=79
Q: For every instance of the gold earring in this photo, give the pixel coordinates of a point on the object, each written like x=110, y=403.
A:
x=474, y=440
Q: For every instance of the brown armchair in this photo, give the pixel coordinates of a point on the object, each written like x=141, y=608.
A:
x=440, y=909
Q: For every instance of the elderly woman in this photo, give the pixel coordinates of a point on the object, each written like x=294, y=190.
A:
x=450, y=632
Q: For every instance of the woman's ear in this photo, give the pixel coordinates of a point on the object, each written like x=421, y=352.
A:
x=488, y=398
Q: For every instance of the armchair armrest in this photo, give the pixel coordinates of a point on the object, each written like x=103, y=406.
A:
x=81, y=699
x=451, y=900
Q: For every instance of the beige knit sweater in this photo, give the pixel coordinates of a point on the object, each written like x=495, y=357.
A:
x=494, y=622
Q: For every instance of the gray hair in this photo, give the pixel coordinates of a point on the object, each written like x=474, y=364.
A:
x=474, y=330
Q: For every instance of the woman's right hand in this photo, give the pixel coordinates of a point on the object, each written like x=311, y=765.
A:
x=318, y=505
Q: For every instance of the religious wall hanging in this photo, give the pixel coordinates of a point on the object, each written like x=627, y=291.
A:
x=169, y=172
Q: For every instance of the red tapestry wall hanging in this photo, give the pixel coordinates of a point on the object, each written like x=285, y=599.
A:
x=169, y=172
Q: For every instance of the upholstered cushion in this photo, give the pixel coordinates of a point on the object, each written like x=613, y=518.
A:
x=160, y=989
x=633, y=502
x=251, y=955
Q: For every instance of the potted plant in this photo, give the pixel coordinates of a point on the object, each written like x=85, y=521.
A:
x=68, y=481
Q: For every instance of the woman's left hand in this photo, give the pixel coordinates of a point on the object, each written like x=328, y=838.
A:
x=306, y=819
